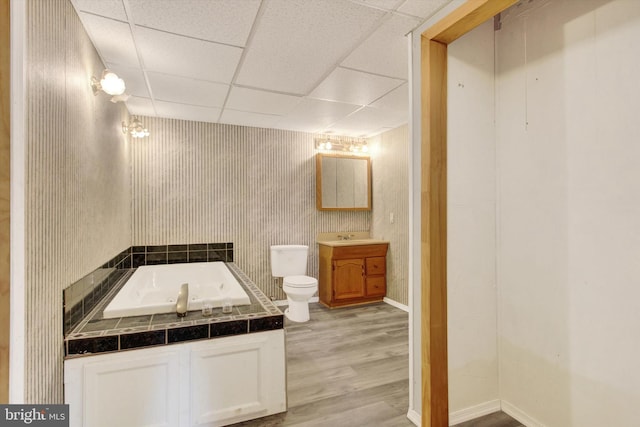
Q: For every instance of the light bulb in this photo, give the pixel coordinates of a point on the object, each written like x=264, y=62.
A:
x=112, y=84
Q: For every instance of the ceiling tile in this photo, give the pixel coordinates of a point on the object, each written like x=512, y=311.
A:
x=313, y=115
x=187, y=91
x=385, y=51
x=187, y=112
x=112, y=39
x=259, y=101
x=422, y=8
x=234, y=117
x=223, y=21
x=380, y=4
x=109, y=8
x=133, y=79
x=397, y=99
x=369, y=118
x=140, y=106
x=187, y=57
x=296, y=42
x=354, y=87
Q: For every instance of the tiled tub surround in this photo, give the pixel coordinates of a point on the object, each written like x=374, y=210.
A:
x=94, y=334
x=82, y=296
x=174, y=254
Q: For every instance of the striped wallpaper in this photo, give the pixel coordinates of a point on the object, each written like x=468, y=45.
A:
x=77, y=189
x=390, y=171
x=199, y=182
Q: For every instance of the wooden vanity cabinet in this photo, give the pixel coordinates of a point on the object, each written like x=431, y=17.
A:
x=351, y=275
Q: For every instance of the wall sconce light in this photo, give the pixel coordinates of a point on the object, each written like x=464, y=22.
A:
x=110, y=84
x=345, y=145
x=135, y=128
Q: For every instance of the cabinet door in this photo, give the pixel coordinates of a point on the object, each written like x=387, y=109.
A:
x=137, y=387
x=237, y=379
x=348, y=278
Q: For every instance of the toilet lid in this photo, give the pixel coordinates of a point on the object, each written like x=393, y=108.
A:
x=300, y=281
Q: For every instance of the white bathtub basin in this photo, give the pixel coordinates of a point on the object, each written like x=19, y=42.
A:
x=153, y=289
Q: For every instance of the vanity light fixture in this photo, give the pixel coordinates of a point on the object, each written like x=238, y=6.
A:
x=110, y=84
x=135, y=128
x=340, y=144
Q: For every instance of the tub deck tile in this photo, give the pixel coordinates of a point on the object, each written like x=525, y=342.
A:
x=234, y=327
x=189, y=333
x=142, y=339
x=134, y=321
x=266, y=323
x=99, y=325
x=94, y=334
x=92, y=345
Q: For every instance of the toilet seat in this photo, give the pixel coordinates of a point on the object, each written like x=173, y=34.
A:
x=300, y=281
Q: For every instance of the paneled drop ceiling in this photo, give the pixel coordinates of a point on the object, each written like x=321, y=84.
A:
x=319, y=66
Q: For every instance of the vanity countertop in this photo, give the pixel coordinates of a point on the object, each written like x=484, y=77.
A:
x=348, y=238
x=352, y=242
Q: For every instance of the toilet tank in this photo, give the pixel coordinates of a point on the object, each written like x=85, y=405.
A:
x=289, y=260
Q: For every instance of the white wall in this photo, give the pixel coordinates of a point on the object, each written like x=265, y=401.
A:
x=567, y=212
x=568, y=148
x=471, y=217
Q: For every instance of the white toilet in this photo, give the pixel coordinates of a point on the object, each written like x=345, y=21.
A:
x=290, y=262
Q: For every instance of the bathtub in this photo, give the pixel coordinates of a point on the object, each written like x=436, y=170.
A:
x=153, y=289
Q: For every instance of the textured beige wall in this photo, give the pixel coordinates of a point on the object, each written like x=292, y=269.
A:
x=78, y=182
x=390, y=175
x=197, y=182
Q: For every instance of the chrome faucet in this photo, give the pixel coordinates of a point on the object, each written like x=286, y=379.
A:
x=345, y=236
x=183, y=300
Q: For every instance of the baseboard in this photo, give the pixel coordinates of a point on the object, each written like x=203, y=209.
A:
x=285, y=302
x=472, y=412
x=462, y=415
x=515, y=412
x=414, y=417
x=396, y=304
x=389, y=301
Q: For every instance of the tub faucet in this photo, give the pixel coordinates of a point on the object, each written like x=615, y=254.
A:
x=183, y=300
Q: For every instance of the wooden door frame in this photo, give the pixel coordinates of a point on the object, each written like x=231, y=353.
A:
x=5, y=204
x=435, y=388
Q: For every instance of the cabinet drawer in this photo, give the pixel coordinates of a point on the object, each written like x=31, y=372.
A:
x=376, y=286
x=358, y=251
x=376, y=265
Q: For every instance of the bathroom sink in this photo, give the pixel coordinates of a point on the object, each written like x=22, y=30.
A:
x=352, y=242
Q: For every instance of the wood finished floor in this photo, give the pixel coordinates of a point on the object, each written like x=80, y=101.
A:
x=497, y=419
x=350, y=367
